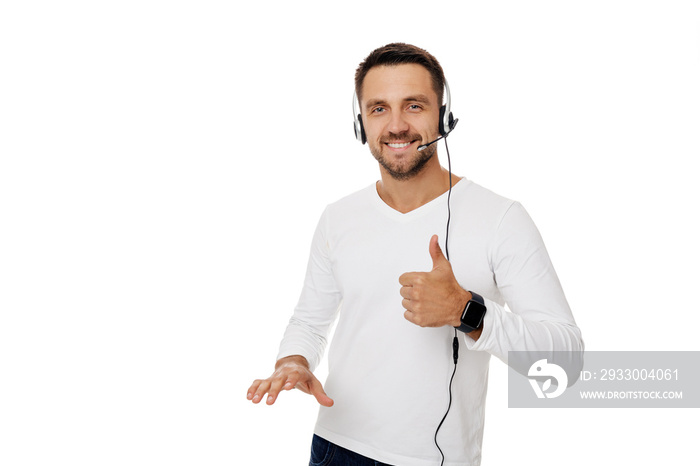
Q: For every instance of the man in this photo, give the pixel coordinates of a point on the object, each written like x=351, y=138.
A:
x=391, y=358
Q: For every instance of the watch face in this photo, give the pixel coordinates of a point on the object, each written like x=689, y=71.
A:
x=473, y=314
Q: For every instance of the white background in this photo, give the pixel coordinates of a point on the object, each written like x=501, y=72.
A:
x=163, y=166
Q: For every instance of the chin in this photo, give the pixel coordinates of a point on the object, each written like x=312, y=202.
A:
x=405, y=171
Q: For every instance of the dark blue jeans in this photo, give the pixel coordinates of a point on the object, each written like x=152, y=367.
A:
x=325, y=453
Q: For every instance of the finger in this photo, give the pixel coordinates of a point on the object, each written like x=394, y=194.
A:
x=406, y=292
x=263, y=387
x=411, y=278
x=253, y=388
x=409, y=316
x=291, y=382
x=317, y=391
x=274, y=390
x=407, y=304
x=436, y=252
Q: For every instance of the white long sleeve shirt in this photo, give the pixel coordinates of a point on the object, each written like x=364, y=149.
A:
x=389, y=377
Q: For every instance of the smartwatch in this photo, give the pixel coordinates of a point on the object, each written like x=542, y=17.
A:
x=473, y=314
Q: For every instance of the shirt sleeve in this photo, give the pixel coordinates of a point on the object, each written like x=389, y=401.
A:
x=540, y=319
x=308, y=328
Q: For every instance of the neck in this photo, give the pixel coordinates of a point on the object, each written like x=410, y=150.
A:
x=407, y=195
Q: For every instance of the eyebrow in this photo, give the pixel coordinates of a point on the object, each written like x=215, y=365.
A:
x=420, y=98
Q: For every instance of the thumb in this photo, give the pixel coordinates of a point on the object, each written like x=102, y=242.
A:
x=436, y=253
x=316, y=390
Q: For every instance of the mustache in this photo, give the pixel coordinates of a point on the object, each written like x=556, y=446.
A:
x=406, y=136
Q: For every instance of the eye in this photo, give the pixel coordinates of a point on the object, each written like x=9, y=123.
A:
x=415, y=108
x=378, y=110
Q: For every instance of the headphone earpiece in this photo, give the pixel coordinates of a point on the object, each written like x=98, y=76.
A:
x=357, y=126
x=359, y=129
x=449, y=121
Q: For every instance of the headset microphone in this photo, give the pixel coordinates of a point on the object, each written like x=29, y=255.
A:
x=423, y=146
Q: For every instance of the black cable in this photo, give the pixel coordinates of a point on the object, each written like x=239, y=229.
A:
x=455, y=350
x=449, y=195
x=455, y=341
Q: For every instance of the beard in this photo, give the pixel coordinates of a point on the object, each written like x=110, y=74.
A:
x=413, y=163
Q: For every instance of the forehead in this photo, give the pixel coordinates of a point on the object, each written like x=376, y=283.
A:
x=396, y=82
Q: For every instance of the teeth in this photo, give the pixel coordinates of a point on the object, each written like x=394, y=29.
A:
x=399, y=146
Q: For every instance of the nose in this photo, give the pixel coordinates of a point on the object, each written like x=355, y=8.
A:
x=398, y=123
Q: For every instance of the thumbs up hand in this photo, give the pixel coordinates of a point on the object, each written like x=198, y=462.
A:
x=433, y=299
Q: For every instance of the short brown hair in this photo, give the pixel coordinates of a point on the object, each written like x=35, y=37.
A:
x=399, y=54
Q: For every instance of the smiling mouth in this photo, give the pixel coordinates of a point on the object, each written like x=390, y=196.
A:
x=400, y=141
x=398, y=145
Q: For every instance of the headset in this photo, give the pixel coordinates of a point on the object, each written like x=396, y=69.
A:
x=447, y=121
x=446, y=125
